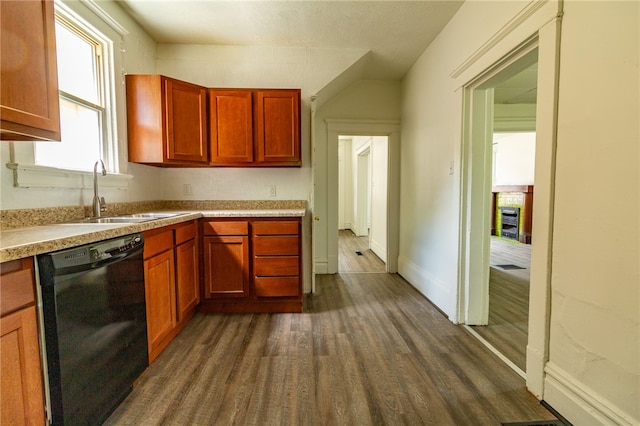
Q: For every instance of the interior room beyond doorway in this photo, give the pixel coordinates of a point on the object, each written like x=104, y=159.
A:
x=362, y=203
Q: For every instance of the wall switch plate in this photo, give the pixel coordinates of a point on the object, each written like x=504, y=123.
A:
x=272, y=191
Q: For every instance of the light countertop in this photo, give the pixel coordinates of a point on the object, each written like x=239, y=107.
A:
x=23, y=242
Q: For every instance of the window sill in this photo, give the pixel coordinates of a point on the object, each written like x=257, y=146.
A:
x=32, y=176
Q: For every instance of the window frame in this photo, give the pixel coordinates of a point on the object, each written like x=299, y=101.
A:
x=103, y=51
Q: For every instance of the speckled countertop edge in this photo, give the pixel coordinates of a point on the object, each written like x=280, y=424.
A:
x=20, y=242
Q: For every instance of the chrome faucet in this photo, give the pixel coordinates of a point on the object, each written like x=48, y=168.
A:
x=99, y=205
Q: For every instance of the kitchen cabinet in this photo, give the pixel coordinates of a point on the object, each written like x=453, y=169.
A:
x=19, y=347
x=172, y=285
x=187, y=271
x=231, y=127
x=166, y=121
x=252, y=266
x=278, y=127
x=276, y=258
x=159, y=284
x=255, y=127
x=226, y=259
x=29, y=104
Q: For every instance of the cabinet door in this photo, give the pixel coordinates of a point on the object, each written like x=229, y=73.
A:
x=186, y=122
x=21, y=382
x=29, y=105
x=187, y=283
x=231, y=126
x=226, y=266
x=160, y=297
x=277, y=114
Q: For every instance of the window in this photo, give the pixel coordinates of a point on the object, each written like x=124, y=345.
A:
x=85, y=87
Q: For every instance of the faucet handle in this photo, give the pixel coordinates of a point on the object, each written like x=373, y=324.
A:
x=103, y=205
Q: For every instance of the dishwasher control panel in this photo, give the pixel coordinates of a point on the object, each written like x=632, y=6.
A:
x=96, y=251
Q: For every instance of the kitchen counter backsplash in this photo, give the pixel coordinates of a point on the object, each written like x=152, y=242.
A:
x=20, y=218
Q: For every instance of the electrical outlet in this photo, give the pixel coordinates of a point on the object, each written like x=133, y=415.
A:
x=272, y=190
x=186, y=189
x=450, y=167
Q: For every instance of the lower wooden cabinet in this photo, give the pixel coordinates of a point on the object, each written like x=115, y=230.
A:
x=187, y=285
x=21, y=398
x=159, y=279
x=252, y=265
x=226, y=259
x=171, y=282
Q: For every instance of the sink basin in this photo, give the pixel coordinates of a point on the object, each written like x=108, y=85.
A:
x=151, y=216
x=128, y=218
x=117, y=219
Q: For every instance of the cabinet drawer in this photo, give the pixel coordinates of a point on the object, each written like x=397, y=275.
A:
x=225, y=228
x=280, y=227
x=155, y=243
x=276, y=266
x=186, y=232
x=278, y=245
x=16, y=285
x=277, y=286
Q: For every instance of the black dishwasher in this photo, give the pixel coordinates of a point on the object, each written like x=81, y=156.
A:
x=95, y=329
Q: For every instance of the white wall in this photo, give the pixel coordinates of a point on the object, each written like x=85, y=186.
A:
x=594, y=348
x=514, y=158
x=345, y=184
x=379, y=171
x=136, y=54
x=264, y=67
x=595, y=311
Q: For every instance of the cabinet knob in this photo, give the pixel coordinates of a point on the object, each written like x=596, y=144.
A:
x=316, y=218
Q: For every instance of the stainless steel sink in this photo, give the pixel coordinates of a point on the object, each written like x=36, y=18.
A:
x=152, y=215
x=128, y=218
x=114, y=219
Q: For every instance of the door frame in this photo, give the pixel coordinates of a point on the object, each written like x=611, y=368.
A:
x=391, y=129
x=363, y=196
x=546, y=35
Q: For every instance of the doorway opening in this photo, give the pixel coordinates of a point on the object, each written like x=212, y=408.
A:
x=497, y=205
x=362, y=203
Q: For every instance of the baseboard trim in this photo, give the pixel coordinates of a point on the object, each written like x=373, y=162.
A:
x=431, y=287
x=379, y=250
x=578, y=403
x=535, y=368
x=321, y=266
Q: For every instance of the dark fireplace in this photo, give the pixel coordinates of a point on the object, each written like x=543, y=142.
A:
x=510, y=222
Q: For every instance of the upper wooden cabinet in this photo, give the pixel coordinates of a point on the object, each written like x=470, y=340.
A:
x=251, y=127
x=277, y=117
x=29, y=104
x=166, y=121
x=231, y=126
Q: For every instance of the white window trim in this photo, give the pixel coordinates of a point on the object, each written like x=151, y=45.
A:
x=26, y=174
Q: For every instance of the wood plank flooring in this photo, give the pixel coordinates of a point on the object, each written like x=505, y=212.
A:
x=368, y=350
x=508, y=301
x=349, y=261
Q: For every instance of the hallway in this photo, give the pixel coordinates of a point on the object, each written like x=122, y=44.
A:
x=348, y=258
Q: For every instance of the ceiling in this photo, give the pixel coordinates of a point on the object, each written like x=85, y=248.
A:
x=519, y=89
x=395, y=32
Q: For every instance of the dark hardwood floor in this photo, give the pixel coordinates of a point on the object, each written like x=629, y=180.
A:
x=508, y=301
x=348, y=259
x=368, y=350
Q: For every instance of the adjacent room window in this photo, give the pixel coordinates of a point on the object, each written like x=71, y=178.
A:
x=84, y=84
